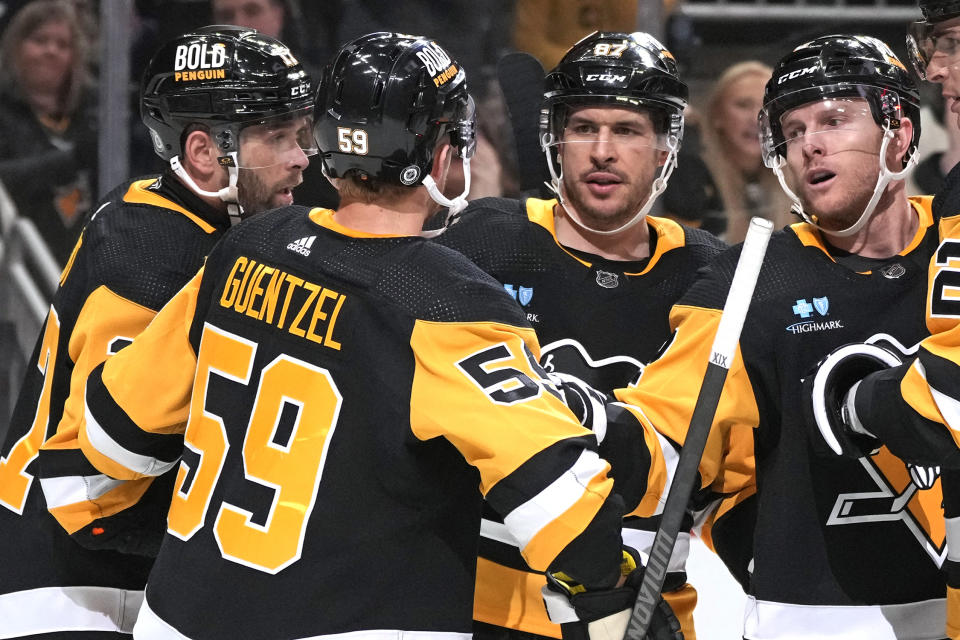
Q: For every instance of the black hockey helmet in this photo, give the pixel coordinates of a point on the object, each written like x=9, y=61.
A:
x=839, y=66
x=939, y=10
x=224, y=77
x=629, y=70
x=385, y=102
x=922, y=44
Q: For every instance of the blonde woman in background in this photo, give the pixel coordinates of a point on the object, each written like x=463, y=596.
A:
x=48, y=120
x=732, y=150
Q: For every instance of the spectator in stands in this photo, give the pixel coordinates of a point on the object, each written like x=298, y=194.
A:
x=48, y=145
x=691, y=196
x=732, y=150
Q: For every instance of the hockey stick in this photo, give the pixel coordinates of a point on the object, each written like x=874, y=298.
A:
x=721, y=355
x=521, y=80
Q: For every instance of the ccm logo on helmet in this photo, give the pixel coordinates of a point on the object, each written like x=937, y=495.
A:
x=438, y=63
x=796, y=74
x=202, y=62
x=605, y=77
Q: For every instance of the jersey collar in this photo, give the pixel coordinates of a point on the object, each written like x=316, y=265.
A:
x=811, y=237
x=324, y=218
x=167, y=192
x=669, y=233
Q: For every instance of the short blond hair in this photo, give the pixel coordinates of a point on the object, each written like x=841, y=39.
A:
x=358, y=187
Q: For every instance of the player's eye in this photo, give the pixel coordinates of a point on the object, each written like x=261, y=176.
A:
x=945, y=44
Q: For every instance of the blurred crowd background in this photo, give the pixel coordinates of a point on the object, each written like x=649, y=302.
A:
x=70, y=127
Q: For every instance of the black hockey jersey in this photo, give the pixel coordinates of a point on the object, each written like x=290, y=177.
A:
x=597, y=319
x=144, y=242
x=337, y=399
x=843, y=548
x=915, y=408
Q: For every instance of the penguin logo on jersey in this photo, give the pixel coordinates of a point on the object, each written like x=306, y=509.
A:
x=569, y=356
x=900, y=493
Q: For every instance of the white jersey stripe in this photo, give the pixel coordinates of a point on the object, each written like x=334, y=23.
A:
x=110, y=448
x=527, y=520
x=910, y=621
x=58, y=609
x=150, y=626
x=59, y=492
x=642, y=541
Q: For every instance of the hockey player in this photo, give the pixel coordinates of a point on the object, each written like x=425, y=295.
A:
x=842, y=548
x=595, y=275
x=230, y=109
x=862, y=396
x=336, y=387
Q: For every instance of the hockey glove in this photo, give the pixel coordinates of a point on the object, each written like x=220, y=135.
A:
x=829, y=393
x=586, y=403
x=604, y=614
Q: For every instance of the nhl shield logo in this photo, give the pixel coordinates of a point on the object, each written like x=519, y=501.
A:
x=525, y=295
x=893, y=271
x=608, y=280
x=822, y=305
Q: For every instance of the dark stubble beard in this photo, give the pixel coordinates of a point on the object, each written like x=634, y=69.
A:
x=601, y=219
x=848, y=212
x=253, y=193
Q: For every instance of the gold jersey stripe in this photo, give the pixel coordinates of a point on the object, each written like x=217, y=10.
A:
x=557, y=534
x=512, y=598
x=139, y=194
x=669, y=387
x=154, y=388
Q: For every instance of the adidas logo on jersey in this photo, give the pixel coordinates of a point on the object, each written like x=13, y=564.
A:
x=302, y=246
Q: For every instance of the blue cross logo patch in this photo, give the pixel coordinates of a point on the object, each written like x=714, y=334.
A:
x=822, y=305
x=803, y=308
x=521, y=294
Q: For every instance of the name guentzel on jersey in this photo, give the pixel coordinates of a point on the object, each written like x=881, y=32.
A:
x=248, y=291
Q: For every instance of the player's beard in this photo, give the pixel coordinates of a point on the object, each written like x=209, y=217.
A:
x=254, y=194
x=607, y=217
x=847, y=203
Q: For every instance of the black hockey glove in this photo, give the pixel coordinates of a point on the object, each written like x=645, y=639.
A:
x=829, y=392
x=604, y=614
x=586, y=403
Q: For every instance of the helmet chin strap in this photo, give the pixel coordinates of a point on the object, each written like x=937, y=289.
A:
x=454, y=206
x=228, y=194
x=883, y=179
x=658, y=187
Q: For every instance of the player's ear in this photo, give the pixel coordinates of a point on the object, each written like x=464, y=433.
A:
x=662, y=158
x=201, y=155
x=902, y=139
x=441, y=162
